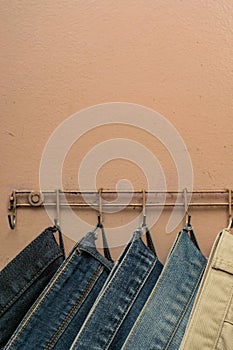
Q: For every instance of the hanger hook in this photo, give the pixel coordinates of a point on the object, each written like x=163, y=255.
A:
x=143, y=208
x=12, y=209
x=186, y=207
x=57, y=217
x=230, y=226
x=100, y=215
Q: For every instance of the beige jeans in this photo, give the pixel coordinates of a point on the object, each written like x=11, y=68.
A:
x=211, y=322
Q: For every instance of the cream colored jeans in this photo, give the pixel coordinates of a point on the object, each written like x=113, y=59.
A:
x=211, y=322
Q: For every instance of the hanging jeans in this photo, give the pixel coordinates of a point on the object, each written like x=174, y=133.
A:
x=24, y=278
x=211, y=322
x=120, y=301
x=58, y=314
x=161, y=324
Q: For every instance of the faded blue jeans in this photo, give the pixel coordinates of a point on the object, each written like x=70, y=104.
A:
x=122, y=297
x=59, y=312
x=162, y=322
x=24, y=278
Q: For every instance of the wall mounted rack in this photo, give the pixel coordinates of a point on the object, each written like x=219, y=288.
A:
x=107, y=198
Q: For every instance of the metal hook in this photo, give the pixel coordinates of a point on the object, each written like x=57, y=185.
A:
x=12, y=209
x=57, y=218
x=99, y=223
x=230, y=226
x=187, y=215
x=100, y=215
x=143, y=208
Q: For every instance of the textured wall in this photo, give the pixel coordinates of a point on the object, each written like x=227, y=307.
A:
x=58, y=57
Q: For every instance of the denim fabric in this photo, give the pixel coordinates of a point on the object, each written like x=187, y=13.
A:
x=58, y=314
x=162, y=322
x=121, y=299
x=24, y=278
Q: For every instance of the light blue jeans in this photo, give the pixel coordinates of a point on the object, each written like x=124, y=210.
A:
x=163, y=319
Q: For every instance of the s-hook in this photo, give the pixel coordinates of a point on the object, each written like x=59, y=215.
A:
x=57, y=217
x=12, y=210
x=230, y=226
x=143, y=208
x=100, y=215
x=187, y=215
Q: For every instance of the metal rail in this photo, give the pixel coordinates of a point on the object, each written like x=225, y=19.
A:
x=139, y=199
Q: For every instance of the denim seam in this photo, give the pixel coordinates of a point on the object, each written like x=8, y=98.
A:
x=151, y=296
x=142, y=313
x=20, y=256
x=47, y=292
x=189, y=262
x=53, y=340
x=111, y=282
x=132, y=302
x=115, y=274
x=97, y=256
x=186, y=307
x=55, y=257
x=28, y=247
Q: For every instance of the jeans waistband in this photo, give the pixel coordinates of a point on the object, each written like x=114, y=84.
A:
x=87, y=243
x=66, y=300
x=20, y=273
x=122, y=287
x=170, y=302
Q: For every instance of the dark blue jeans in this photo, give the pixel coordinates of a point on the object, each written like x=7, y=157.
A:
x=59, y=312
x=24, y=278
x=121, y=298
x=163, y=319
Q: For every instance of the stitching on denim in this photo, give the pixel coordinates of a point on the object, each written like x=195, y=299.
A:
x=180, y=318
x=110, y=283
x=194, y=264
x=112, y=277
x=29, y=283
x=42, y=298
x=116, y=274
x=98, y=256
x=157, y=285
x=91, y=314
x=20, y=255
x=64, y=324
x=144, y=279
x=141, y=315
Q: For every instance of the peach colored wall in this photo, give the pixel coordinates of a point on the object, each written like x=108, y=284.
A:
x=58, y=57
